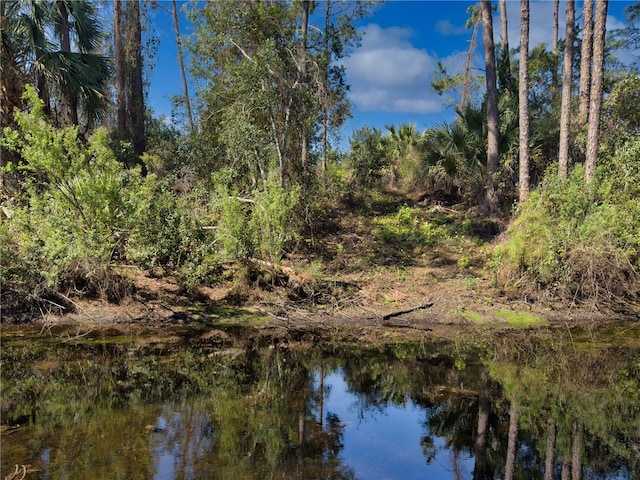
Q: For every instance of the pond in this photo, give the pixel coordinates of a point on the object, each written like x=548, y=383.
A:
x=532, y=404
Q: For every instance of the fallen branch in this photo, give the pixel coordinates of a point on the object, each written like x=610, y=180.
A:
x=425, y=304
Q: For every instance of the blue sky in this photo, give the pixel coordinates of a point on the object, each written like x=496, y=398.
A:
x=391, y=71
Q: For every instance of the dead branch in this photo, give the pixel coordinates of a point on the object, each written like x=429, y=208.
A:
x=425, y=304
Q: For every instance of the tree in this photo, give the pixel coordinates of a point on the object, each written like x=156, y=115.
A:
x=256, y=106
x=121, y=104
x=482, y=434
x=597, y=83
x=79, y=19
x=367, y=157
x=134, y=70
x=302, y=69
x=445, y=82
x=275, y=87
x=493, y=139
x=523, y=98
x=32, y=53
x=630, y=35
x=331, y=42
x=504, y=67
x=512, y=444
x=554, y=45
x=129, y=82
x=585, y=62
x=186, y=99
x=183, y=75
x=456, y=152
x=567, y=81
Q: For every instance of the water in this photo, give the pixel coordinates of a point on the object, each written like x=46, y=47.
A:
x=131, y=408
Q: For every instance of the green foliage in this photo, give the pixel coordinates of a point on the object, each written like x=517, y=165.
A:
x=75, y=210
x=577, y=241
x=232, y=231
x=456, y=152
x=83, y=213
x=405, y=149
x=367, y=159
x=409, y=228
x=272, y=221
x=259, y=227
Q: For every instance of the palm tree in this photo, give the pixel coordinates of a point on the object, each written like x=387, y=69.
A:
x=457, y=152
x=402, y=144
x=89, y=83
x=12, y=62
x=61, y=76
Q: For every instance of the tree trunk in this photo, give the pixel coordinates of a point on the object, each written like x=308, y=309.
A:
x=554, y=46
x=325, y=94
x=554, y=34
x=576, y=453
x=567, y=80
x=549, y=460
x=491, y=199
x=136, y=87
x=71, y=100
x=120, y=67
x=510, y=466
x=566, y=469
x=480, y=467
x=523, y=97
x=185, y=87
x=464, y=100
x=304, y=147
x=585, y=62
x=505, y=61
x=597, y=81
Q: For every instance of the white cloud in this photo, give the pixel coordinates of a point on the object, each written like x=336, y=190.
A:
x=541, y=23
x=446, y=28
x=387, y=73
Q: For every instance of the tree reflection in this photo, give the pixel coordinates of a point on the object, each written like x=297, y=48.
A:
x=112, y=412
x=563, y=384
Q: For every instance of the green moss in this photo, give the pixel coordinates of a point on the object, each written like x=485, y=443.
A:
x=521, y=319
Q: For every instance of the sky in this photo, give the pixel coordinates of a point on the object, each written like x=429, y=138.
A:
x=390, y=73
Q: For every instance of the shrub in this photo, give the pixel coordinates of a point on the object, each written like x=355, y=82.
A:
x=83, y=213
x=257, y=227
x=577, y=241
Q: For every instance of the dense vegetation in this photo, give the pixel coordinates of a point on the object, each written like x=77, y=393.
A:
x=90, y=190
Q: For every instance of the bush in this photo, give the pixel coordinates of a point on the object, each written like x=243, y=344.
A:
x=367, y=160
x=83, y=213
x=577, y=241
x=258, y=227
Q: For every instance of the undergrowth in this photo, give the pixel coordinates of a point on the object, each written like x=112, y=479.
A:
x=578, y=242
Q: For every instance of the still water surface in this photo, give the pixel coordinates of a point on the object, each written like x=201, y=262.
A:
x=106, y=408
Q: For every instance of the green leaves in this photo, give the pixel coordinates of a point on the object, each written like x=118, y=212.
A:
x=576, y=242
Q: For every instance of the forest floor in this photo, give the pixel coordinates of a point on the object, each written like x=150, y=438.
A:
x=398, y=270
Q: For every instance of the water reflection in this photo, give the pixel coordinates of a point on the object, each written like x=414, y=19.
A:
x=531, y=407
